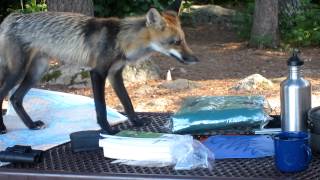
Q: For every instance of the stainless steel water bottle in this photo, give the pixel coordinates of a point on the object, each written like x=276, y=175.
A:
x=295, y=97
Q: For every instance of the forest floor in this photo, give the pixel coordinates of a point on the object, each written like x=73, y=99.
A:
x=224, y=60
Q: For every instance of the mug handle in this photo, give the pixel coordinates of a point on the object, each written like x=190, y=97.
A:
x=308, y=152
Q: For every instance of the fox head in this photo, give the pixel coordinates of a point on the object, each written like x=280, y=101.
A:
x=166, y=36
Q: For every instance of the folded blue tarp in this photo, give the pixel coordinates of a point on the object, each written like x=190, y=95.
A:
x=240, y=146
x=200, y=115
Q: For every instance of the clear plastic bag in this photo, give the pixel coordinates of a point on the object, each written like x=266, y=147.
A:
x=180, y=151
x=199, y=115
x=197, y=156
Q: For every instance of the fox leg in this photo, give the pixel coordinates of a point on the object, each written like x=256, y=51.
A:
x=98, y=80
x=11, y=71
x=116, y=81
x=8, y=82
x=38, y=66
x=3, y=128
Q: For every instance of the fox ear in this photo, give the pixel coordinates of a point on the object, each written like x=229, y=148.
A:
x=154, y=18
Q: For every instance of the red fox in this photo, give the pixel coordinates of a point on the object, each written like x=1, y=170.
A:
x=105, y=45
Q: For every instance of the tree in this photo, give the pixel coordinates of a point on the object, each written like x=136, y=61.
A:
x=265, y=31
x=289, y=7
x=287, y=10
x=77, y=6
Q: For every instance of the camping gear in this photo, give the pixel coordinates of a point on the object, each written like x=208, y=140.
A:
x=240, y=146
x=295, y=97
x=272, y=128
x=292, y=151
x=314, y=125
x=157, y=150
x=62, y=113
x=21, y=154
x=85, y=141
x=267, y=131
x=204, y=114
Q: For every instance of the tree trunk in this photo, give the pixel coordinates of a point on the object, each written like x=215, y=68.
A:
x=265, y=31
x=77, y=6
x=289, y=7
x=287, y=10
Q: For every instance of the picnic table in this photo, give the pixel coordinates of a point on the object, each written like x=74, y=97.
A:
x=61, y=163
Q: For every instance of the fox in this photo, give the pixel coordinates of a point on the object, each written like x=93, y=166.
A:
x=103, y=45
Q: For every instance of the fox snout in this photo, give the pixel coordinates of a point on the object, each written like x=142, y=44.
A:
x=189, y=59
x=184, y=57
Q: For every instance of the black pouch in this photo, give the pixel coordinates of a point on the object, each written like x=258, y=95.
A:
x=85, y=141
x=21, y=154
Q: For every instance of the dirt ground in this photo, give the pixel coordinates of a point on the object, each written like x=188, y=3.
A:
x=224, y=61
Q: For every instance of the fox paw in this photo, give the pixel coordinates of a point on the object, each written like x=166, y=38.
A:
x=37, y=125
x=141, y=121
x=3, y=129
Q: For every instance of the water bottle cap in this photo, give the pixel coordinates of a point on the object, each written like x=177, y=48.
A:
x=294, y=60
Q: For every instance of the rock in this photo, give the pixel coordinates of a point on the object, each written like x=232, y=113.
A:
x=141, y=72
x=71, y=77
x=198, y=14
x=183, y=70
x=75, y=77
x=180, y=84
x=252, y=82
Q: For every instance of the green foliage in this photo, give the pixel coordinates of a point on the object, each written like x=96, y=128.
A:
x=243, y=21
x=34, y=6
x=300, y=29
x=29, y=6
x=84, y=74
x=303, y=28
x=121, y=8
x=51, y=76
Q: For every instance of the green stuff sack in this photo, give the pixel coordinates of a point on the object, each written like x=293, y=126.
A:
x=202, y=115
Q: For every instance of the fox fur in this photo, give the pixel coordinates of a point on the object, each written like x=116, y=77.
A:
x=104, y=45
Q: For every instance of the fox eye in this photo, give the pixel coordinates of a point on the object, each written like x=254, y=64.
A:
x=176, y=42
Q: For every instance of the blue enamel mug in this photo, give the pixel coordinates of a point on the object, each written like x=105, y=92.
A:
x=292, y=151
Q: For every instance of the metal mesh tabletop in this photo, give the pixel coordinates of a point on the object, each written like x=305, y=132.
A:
x=62, y=160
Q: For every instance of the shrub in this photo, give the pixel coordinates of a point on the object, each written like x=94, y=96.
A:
x=302, y=28
x=243, y=20
x=35, y=6
x=298, y=29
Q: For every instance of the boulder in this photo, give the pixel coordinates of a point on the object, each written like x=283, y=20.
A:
x=80, y=78
x=141, y=72
x=214, y=14
x=253, y=82
x=180, y=84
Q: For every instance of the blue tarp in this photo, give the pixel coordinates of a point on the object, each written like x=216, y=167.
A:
x=240, y=146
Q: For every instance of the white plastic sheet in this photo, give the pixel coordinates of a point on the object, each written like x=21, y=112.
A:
x=62, y=114
x=180, y=151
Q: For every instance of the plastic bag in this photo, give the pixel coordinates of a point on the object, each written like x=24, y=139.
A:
x=200, y=115
x=181, y=151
